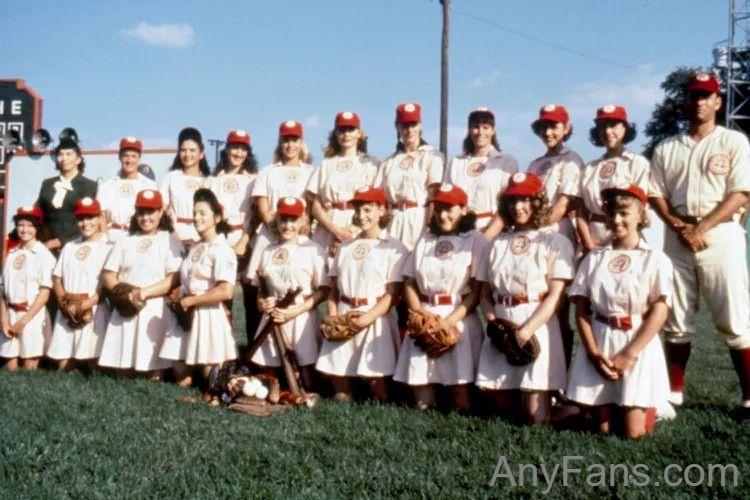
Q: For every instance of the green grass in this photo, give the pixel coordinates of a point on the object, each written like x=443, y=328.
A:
x=73, y=435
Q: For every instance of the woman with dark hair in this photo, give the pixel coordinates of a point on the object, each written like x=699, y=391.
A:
x=482, y=171
x=188, y=173
x=57, y=195
x=410, y=176
x=207, y=277
x=440, y=278
x=148, y=259
x=523, y=278
x=616, y=167
x=346, y=168
x=27, y=279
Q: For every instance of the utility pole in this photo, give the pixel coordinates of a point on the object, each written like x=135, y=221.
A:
x=444, y=78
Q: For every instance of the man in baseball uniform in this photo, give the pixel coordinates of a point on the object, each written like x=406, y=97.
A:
x=699, y=181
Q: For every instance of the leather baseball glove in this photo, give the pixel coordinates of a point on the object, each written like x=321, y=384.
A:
x=71, y=306
x=184, y=316
x=498, y=331
x=123, y=298
x=431, y=333
x=521, y=354
x=340, y=327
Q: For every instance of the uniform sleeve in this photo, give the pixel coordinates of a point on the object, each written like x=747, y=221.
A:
x=320, y=276
x=260, y=186
x=313, y=185
x=396, y=265
x=435, y=175
x=225, y=266
x=255, y=279
x=510, y=165
x=641, y=169
x=483, y=266
x=174, y=255
x=372, y=170
x=409, y=269
x=579, y=287
x=656, y=181
x=570, y=179
x=379, y=181
x=479, y=247
x=449, y=173
x=114, y=259
x=562, y=258
x=102, y=196
x=739, y=174
x=48, y=264
x=57, y=270
x=662, y=282
x=164, y=188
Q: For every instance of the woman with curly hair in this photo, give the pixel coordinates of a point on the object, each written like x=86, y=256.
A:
x=522, y=281
x=616, y=167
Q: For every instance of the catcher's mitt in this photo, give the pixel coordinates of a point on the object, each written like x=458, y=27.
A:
x=122, y=298
x=184, y=316
x=430, y=333
x=71, y=307
x=340, y=327
x=498, y=331
x=521, y=354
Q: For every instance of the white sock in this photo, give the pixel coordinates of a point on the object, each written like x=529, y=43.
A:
x=675, y=398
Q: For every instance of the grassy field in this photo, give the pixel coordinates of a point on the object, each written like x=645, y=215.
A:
x=74, y=435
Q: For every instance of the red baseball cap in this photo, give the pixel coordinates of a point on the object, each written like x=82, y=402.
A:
x=370, y=195
x=704, y=81
x=409, y=112
x=238, y=137
x=290, y=207
x=611, y=112
x=449, y=194
x=552, y=113
x=149, y=198
x=87, y=206
x=290, y=128
x=29, y=211
x=347, y=119
x=131, y=143
x=629, y=190
x=523, y=184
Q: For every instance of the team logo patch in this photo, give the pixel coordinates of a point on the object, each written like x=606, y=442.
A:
x=476, y=168
x=191, y=185
x=280, y=256
x=360, y=251
x=406, y=162
x=520, y=244
x=718, y=164
x=144, y=244
x=444, y=250
x=619, y=264
x=344, y=166
x=19, y=261
x=231, y=186
x=291, y=177
x=197, y=254
x=608, y=170
x=83, y=252
x=125, y=190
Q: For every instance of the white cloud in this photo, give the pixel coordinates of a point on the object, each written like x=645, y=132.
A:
x=162, y=35
x=312, y=121
x=486, y=80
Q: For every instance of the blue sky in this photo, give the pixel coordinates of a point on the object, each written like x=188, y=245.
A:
x=149, y=68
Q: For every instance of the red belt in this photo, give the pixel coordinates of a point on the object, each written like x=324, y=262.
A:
x=19, y=307
x=235, y=227
x=185, y=220
x=121, y=227
x=342, y=205
x=356, y=301
x=440, y=299
x=624, y=323
x=598, y=218
x=482, y=215
x=404, y=204
x=514, y=300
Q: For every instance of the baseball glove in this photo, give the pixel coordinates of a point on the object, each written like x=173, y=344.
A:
x=498, y=331
x=430, y=333
x=184, y=316
x=521, y=354
x=122, y=298
x=340, y=327
x=71, y=307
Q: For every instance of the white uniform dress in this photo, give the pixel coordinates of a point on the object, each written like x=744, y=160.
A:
x=334, y=182
x=117, y=196
x=405, y=178
x=233, y=192
x=628, y=168
x=140, y=260
x=362, y=269
x=288, y=267
x=26, y=271
x=561, y=175
x=622, y=283
x=177, y=191
x=210, y=340
x=275, y=182
x=79, y=267
x=523, y=263
x=483, y=179
x=444, y=265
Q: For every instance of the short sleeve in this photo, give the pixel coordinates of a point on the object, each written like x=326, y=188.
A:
x=479, y=246
x=656, y=187
x=57, y=270
x=739, y=174
x=225, y=265
x=397, y=256
x=320, y=277
x=48, y=264
x=102, y=196
x=435, y=174
x=379, y=181
x=371, y=166
x=260, y=186
x=662, y=281
x=114, y=259
x=641, y=167
x=173, y=259
x=579, y=287
x=255, y=279
x=164, y=188
x=483, y=265
x=409, y=269
x=570, y=179
x=562, y=258
x=449, y=174
x=313, y=185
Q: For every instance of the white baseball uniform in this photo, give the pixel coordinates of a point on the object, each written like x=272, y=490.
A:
x=622, y=284
x=444, y=266
x=483, y=179
x=275, y=182
x=25, y=272
x=233, y=192
x=117, y=197
x=177, y=191
x=287, y=267
x=79, y=267
x=694, y=177
x=210, y=339
x=522, y=263
x=405, y=178
x=628, y=168
x=140, y=260
x=362, y=269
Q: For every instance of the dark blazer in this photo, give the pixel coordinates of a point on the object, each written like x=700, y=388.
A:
x=61, y=221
